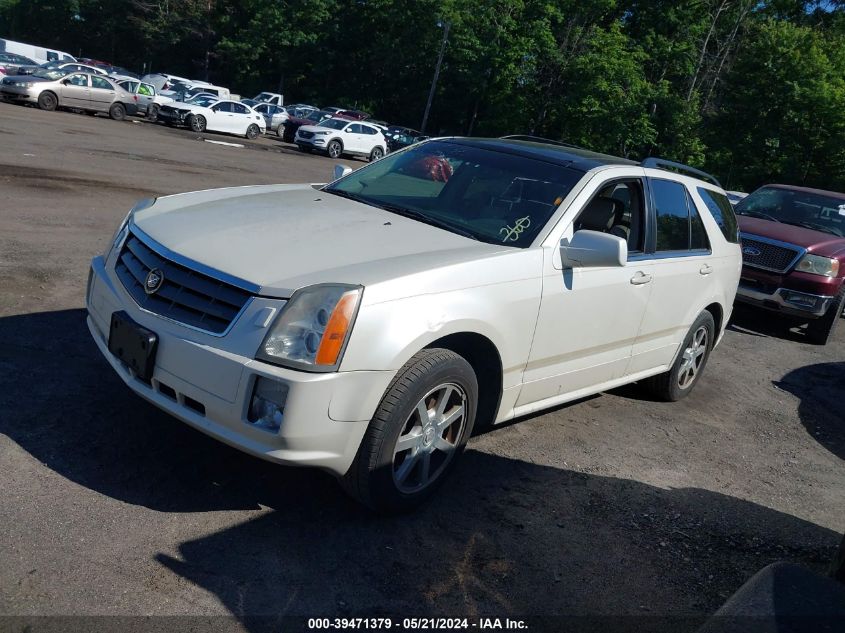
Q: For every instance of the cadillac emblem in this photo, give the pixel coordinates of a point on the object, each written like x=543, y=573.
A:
x=154, y=280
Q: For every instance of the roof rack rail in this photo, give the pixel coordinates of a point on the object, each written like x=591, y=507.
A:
x=669, y=165
x=539, y=139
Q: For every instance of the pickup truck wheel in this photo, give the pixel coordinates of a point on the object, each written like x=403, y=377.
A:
x=117, y=112
x=417, y=434
x=47, y=101
x=695, y=350
x=820, y=330
x=334, y=149
x=197, y=123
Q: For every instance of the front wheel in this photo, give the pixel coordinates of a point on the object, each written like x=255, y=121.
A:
x=152, y=113
x=820, y=330
x=47, y=101
x=197, y=123
x=117, y=112
x=417, y=434
x=334, y=149
x=377, y=153
x=685, y=372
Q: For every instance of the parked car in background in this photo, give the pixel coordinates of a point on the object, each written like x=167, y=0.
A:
x=39, y=54
x=10, y=63
x=231, y=117
x=735, y=196
x=52, y=89
x=355, y=115
x=274, y=116
x=336, y=137
x=183, y=92
x=295, y=122
x=300, y=109
x=163, y=81
x=793, y=251
x=66, y=66
x=148, y=100
x=273, y=98
x=399, y=137
x=404, y=311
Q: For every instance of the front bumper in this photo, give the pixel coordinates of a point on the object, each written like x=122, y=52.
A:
x=785, y=301
x=316, y=142
x=208, y=381
x=20, y=95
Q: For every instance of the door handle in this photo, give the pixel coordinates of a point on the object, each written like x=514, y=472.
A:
x=640, y=278
x=706, y=269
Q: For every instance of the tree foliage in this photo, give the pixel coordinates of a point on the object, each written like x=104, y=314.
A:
x=753, y=90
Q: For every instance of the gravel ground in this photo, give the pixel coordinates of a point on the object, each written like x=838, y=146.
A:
x=612, y=505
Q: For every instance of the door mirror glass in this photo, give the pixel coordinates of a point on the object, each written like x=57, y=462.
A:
x=593, y=249
x=341, y=170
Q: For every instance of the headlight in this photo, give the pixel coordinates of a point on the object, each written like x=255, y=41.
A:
x=326, y=132
x=312, y=329
x=118, y=236
x=23, y=84
x=818, y=265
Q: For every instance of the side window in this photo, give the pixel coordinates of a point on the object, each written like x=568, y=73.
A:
x=147, y=90
x=78, y=80
x=52, y=57
x=99, y=82
x=697, y=233
x=240, y=109
x=355, y=129
x=369, y=130
x=618, y=208
x=131, y=86
x=222, y=107
x=722, y=211
x=673, y=226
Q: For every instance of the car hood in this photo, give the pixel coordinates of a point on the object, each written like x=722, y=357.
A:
x=28, y=78
x=817, y=242
x=284, y=237
x=315, y=128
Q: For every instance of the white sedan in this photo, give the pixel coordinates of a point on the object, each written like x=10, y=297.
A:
x=342, y=136
x=231, y=117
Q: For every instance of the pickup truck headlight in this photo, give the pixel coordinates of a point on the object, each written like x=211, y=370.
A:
x=118, y=236
x=312, y=330
x=818, y=265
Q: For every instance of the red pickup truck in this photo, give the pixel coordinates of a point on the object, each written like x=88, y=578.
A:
x=793, y=252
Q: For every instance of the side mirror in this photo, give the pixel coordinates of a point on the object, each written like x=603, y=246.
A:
x=341, y=170
x=65, y=82
x=593, y=249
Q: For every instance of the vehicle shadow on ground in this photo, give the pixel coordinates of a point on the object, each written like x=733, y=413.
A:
x=819, y=388
x=502, y=537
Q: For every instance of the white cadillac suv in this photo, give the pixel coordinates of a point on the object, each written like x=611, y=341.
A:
x=365, y=326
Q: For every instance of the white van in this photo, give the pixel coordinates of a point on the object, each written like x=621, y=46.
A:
x=37, y=53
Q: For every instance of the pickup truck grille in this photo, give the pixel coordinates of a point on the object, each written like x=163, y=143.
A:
x=185, y=295
x=766, y=255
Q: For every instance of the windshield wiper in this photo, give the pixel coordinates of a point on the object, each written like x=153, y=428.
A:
x=422, y=217
x=758, y=214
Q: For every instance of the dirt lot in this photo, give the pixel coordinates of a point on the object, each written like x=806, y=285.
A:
x=613, y=505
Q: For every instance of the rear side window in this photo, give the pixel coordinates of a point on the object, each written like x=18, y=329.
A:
x=697, y=234
x=239, y=109
x=99, y=82
x=670, y=204
x=722, y=211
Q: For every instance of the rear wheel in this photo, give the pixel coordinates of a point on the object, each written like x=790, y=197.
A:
x=253, y=131
x=679, y=381
x=47, y=101
x=280, y=131
x=377, y=153
x=197, y=123
x=117, y=112
x=820, y=330
x=334, y=149
x=417, y=434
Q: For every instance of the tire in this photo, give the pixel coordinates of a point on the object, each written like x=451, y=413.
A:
x=377, y=153
x=152, y=113
x=252, y=132
x=197, y=123
x=117, y=111
x=820, y=330
x=679, y=381
x=48, y=101
x=389, y=478
x=304, y=148
x=334, y=149
x=280, y=132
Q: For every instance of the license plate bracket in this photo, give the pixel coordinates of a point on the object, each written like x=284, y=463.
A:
x=133, y=344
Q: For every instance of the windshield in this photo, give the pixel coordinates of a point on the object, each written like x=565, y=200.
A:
x=335, y=124
x=264, y=96
x=800, y=208
x=487, y=195
x=44, y=73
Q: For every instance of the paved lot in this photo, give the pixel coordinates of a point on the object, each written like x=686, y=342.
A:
x=615, y=504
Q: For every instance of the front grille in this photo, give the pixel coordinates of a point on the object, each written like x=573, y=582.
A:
x=185, y=295
x=305, y=134
x=778, y=257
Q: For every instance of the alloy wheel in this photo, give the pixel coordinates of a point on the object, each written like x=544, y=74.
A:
x=692, y=358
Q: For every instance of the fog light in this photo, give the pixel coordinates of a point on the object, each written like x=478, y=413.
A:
x=267, y=408
x=801, y=299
